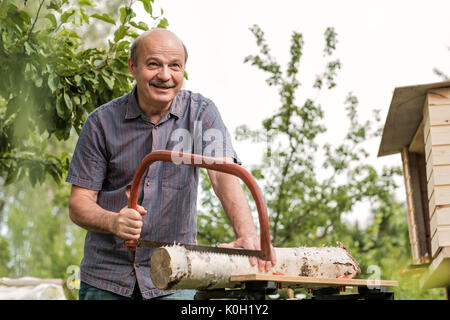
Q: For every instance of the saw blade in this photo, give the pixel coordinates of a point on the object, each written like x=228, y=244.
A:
x=193, y=247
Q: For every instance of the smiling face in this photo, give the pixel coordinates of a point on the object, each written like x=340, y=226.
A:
x=159, y=70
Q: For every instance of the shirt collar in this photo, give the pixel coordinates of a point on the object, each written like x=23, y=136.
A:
x=134, y=111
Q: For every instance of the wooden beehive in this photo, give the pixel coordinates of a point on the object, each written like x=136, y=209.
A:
x=418, y=127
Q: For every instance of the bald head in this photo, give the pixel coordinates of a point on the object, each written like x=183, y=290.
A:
x=154, y=34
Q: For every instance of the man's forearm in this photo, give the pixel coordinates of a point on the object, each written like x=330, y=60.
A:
x=86, y=213
x=234, y=201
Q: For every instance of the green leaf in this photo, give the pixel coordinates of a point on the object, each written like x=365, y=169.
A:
x=52, y=19
x=68, y=102
x=85, y=2
x=98, y=63
x=141, y=25
x=104, y=17
x=66, y=15
x=163, y=23
x=123, y=45
x=53, y=81
x=28, y=48
x=126, y=14
x=12, y=175
x=64, y=106
x=84, y=15
x=147, y=6
x=109, y=82
x=120, y=33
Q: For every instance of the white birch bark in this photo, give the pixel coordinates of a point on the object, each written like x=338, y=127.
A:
x=174, y=267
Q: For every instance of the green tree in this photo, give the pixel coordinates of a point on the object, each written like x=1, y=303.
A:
x=303, y=208
x=50, y=80
x=54, y=72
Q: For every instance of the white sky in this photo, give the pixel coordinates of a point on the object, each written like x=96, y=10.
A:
x=381, y=44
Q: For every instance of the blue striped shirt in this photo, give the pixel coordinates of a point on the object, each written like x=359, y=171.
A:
x=114, y=139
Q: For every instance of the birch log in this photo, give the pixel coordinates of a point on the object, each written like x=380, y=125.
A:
x=174, y=267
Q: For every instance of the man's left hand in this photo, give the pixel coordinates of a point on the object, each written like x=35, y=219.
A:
x=252, y=242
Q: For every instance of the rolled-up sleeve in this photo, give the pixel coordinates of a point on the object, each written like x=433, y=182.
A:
x=88, y=166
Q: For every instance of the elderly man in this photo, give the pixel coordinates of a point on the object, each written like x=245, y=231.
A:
x=114, y=139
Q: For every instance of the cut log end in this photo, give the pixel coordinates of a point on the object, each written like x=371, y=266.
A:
x=161, y=270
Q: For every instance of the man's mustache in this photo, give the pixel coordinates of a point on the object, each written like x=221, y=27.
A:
x=162, y=84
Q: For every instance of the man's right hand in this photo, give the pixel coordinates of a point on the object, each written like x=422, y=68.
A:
x=128, y=225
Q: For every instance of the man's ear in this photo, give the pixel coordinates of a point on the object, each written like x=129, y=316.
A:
x=131, y=67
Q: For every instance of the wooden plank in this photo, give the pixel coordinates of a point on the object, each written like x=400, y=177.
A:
x=431, y=206
x=29, y=282
x=439, y=135
x=309, y=282
x=430, y=185
x=442, y=195
x=440, y=239
x=440, y=176
x=418, y=223
x=417, y=144
x=428, y=145
x=440, y=218
x=439, y=156
x=438, y=273
x=438, y=96
x=439, y=115
x=426, y=120
x=410, y=206
x=421, y=166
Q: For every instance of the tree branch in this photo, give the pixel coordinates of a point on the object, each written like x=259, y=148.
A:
x=35, y=19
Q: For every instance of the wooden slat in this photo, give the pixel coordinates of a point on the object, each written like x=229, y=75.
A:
x=426, y=120
x=440, y=96
x=440, y=239
x=438, y=275
x=428, y=145
x=442, y=195
x=439, y=135
x=439, y=115
x=431, y=205
x=430, y=185
x=309, y=282
x=440, y=218
x=421, y=171
x=439, y=156
x=410, y=206
x=7, y=282
x=440, y=176
x=418, y=142
x=417, y=213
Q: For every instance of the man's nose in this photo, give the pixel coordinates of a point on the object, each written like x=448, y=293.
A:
x=164, y=73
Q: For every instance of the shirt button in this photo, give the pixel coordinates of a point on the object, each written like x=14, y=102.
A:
x=132, y=273
x=137, y=265
x=155, y=127
x=148, y=183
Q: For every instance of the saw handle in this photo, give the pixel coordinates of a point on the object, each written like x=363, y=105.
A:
x=207, y=163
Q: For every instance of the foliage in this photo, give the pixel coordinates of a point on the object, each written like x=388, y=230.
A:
x=54, y=72
x=50, y=81
x=303, y=208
